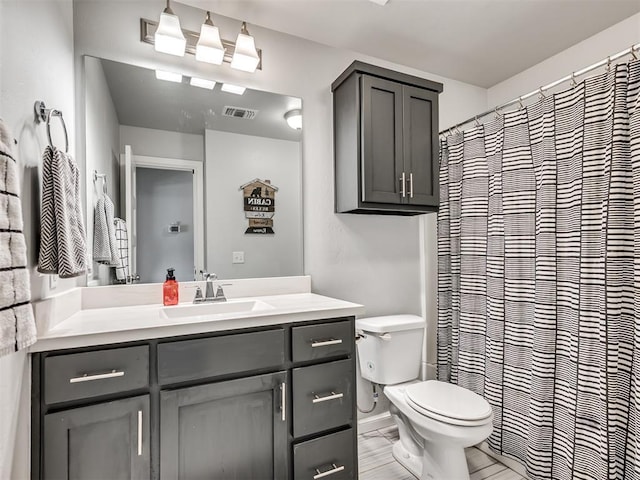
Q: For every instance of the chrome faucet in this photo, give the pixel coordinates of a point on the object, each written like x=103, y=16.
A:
x=209, y=295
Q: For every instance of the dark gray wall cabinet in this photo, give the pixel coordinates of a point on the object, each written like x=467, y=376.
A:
x=266, y=403
x=385, y=141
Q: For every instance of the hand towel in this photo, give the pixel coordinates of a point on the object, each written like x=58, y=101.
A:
x=17, y=325
x=105, y=250
x=63, y=248
x=122, y=244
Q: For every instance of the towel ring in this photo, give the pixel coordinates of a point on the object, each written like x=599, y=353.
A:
x=43, y=113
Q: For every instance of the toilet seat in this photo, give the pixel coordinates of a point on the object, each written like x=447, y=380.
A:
x=448, y=403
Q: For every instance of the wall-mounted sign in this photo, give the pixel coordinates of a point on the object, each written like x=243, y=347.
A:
x=259, y=205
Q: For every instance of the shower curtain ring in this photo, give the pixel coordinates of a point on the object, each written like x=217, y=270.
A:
x=542, y=95
x=573, y=79
x=633, y=52
x=476, y=120
x=497, y=113
x=520, y=103
x=608, y=64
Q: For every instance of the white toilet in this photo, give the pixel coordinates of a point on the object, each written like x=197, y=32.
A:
x=436, y=420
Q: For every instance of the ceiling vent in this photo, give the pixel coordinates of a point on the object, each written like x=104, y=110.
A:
x=238, y=112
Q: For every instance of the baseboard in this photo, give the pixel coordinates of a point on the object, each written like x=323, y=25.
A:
x=375, y=422
x=509, y=462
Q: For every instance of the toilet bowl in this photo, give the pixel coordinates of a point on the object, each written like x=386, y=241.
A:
x=436, y=420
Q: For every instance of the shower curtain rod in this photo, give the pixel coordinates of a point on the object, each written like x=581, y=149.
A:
x=540, y=91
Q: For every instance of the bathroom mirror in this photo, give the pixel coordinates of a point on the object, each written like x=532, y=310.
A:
x=204, y=179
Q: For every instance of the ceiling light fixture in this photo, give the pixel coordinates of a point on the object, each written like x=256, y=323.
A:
x=294, y=118
x=209, y=47
x=245, y=56
x=202, y=83
x=169, y=37
x=168, y=76
x=230, y=88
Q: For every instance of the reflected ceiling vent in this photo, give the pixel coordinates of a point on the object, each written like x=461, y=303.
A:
x=238, y=112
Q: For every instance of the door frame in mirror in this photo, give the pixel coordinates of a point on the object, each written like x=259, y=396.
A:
x=162, y=163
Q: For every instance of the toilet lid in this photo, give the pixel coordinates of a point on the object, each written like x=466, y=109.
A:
x=448, y=401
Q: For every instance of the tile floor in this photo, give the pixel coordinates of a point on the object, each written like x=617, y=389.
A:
x=377, y=463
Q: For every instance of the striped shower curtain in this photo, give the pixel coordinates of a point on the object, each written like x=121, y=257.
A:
x=539, y=277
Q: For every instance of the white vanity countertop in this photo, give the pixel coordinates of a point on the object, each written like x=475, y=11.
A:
x=99, y=326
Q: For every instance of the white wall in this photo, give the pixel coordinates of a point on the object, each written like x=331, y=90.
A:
x=598, y=47
x=160, y=143
x=102, y=143
x=374, y=260
x=37, y=64
x=231, y=161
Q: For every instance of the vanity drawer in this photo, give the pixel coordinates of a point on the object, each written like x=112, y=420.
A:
x=322, y=397
x=325, y=340
x=186, y=360
x=331, y=457
x=89, y=374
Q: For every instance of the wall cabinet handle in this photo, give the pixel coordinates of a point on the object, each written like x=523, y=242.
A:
x=335, y=469
x=411, y=185
x=332, y=396
x=403, y=185
x=324, y=343
x=99, y=376
x=139, y=433
x=283, y=401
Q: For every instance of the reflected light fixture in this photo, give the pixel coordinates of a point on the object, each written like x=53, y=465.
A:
x=168, y=76
x=209, y=47
x=230, y=88
x=202, y=83
x=245, y=56
x=169, y=37
x=294, y=118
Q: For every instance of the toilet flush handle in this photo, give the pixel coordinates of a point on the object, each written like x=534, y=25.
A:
x=385, y=336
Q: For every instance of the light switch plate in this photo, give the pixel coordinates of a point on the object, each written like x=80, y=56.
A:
x=237, y=257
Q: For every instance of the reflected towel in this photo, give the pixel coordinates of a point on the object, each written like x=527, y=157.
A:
x=105, y=250
x=63, y=247
x=122, y=245
x=17, y=325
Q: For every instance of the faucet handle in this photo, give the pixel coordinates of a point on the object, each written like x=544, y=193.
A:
x=198, y=298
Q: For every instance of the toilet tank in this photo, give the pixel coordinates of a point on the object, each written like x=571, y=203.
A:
x=390, y=348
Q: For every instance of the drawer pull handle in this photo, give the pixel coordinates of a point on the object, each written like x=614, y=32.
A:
x=335, y=469
x=324, y=343
x=333, y=396
x=139, y=432
x=283, y=393
x=99, y=376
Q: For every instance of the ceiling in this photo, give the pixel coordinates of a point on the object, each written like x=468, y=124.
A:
x=481, y=42
x=141, y=100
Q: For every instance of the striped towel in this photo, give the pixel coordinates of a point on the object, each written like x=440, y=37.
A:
x=105, y=250
x=63, y=247
x=17, y=326
x=122, y=244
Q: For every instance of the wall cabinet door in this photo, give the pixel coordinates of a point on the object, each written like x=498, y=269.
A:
x=420, y=146
x=107, y=440
x=382, y=160
x=227, y=430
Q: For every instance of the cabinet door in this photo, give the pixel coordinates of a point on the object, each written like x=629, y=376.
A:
x=382, y=162
x=107, y=440
x=420, y=108
x=227, y=430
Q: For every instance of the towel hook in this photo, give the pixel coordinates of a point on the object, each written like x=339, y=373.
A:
x=44, y=114
x=102, y=176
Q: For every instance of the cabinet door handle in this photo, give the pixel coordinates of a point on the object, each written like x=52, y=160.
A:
x=332, y=396
x=403, y=185
x=139, y=433
x=283, y=400
x=411, y=185
x=335, y=469
x=324, y=343
x=99, y=376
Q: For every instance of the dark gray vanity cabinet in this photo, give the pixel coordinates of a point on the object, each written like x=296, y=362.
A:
x=274, y=402
x=385, y=142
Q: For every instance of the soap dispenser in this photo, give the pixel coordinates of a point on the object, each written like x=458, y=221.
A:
x=170, y=289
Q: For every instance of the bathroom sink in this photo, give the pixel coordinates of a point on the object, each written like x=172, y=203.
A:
x=209, y=309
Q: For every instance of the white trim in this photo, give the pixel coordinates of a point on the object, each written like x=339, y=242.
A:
x=198, y=196
x=375, y=422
